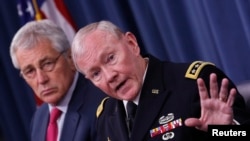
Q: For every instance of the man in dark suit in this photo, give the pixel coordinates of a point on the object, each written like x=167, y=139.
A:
x=175, y=101
x=41, y=51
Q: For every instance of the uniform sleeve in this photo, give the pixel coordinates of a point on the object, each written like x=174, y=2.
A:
x=199, y=69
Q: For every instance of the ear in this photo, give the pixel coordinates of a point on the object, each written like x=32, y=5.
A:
x=68, y=53
x=132, y=42
x=69, y=59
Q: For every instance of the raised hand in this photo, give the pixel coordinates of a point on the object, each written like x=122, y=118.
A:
x=216, y=109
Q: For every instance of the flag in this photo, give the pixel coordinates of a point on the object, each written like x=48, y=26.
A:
x=55, y=10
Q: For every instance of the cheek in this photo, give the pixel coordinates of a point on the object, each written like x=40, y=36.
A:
x=128, y=63
x=133, y=73
x=127, y=69
x=63, y=80
x=103, y=86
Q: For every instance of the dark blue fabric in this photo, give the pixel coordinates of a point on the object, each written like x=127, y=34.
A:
x=16, y=99
x=176, y=30
x=180, y=30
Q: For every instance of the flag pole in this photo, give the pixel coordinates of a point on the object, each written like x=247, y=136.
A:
x=38, y=15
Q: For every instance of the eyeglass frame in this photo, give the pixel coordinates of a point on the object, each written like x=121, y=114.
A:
x=50, y=63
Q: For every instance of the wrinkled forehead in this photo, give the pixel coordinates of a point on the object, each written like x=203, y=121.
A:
x=97, y=42
x=94, y=47
x=99, y=36
x=27, y=56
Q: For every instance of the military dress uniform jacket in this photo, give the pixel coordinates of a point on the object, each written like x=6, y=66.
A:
x=168, y=97
x=79, y=122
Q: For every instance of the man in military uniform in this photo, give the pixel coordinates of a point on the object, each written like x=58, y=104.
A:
x=175, y=101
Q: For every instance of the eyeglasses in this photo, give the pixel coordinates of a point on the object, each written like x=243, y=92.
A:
x=47, y=66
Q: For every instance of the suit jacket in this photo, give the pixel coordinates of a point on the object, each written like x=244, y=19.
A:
x=167, y=97
x=79, y=123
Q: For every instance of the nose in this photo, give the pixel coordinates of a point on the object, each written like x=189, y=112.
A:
x=110, y=75
x=41, y=76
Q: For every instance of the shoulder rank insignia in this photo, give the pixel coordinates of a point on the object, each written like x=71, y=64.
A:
x=195, y=68
x=100, y=107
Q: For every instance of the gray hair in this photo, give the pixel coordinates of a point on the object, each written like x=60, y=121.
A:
x=78, y=41
x=34, y=32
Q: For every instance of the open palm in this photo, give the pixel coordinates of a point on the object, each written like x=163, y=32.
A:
x=216, y=109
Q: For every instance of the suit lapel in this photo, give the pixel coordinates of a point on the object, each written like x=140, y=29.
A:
x=153, y=108
x=40, y=123
x=44, y=124
x=70, y=126
x=153, y=95
x=73, y=116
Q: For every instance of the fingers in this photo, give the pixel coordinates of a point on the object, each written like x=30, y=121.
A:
x=213, y=86
x=221, y=93
x=202, y=89
x=225, y=95
x=192, y=122
x=231, y=97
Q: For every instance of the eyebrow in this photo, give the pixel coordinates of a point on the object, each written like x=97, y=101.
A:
x=44, y=59
x=39, y=62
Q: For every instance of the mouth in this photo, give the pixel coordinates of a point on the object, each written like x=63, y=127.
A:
x=47, y=92
x=120, y=85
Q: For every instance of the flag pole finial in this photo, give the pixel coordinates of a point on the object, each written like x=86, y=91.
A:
x=38, y=15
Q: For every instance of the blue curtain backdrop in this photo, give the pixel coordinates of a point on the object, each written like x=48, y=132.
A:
x=176, y=30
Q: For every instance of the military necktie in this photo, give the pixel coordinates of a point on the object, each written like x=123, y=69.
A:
x=131, y=109
x=52, y=131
